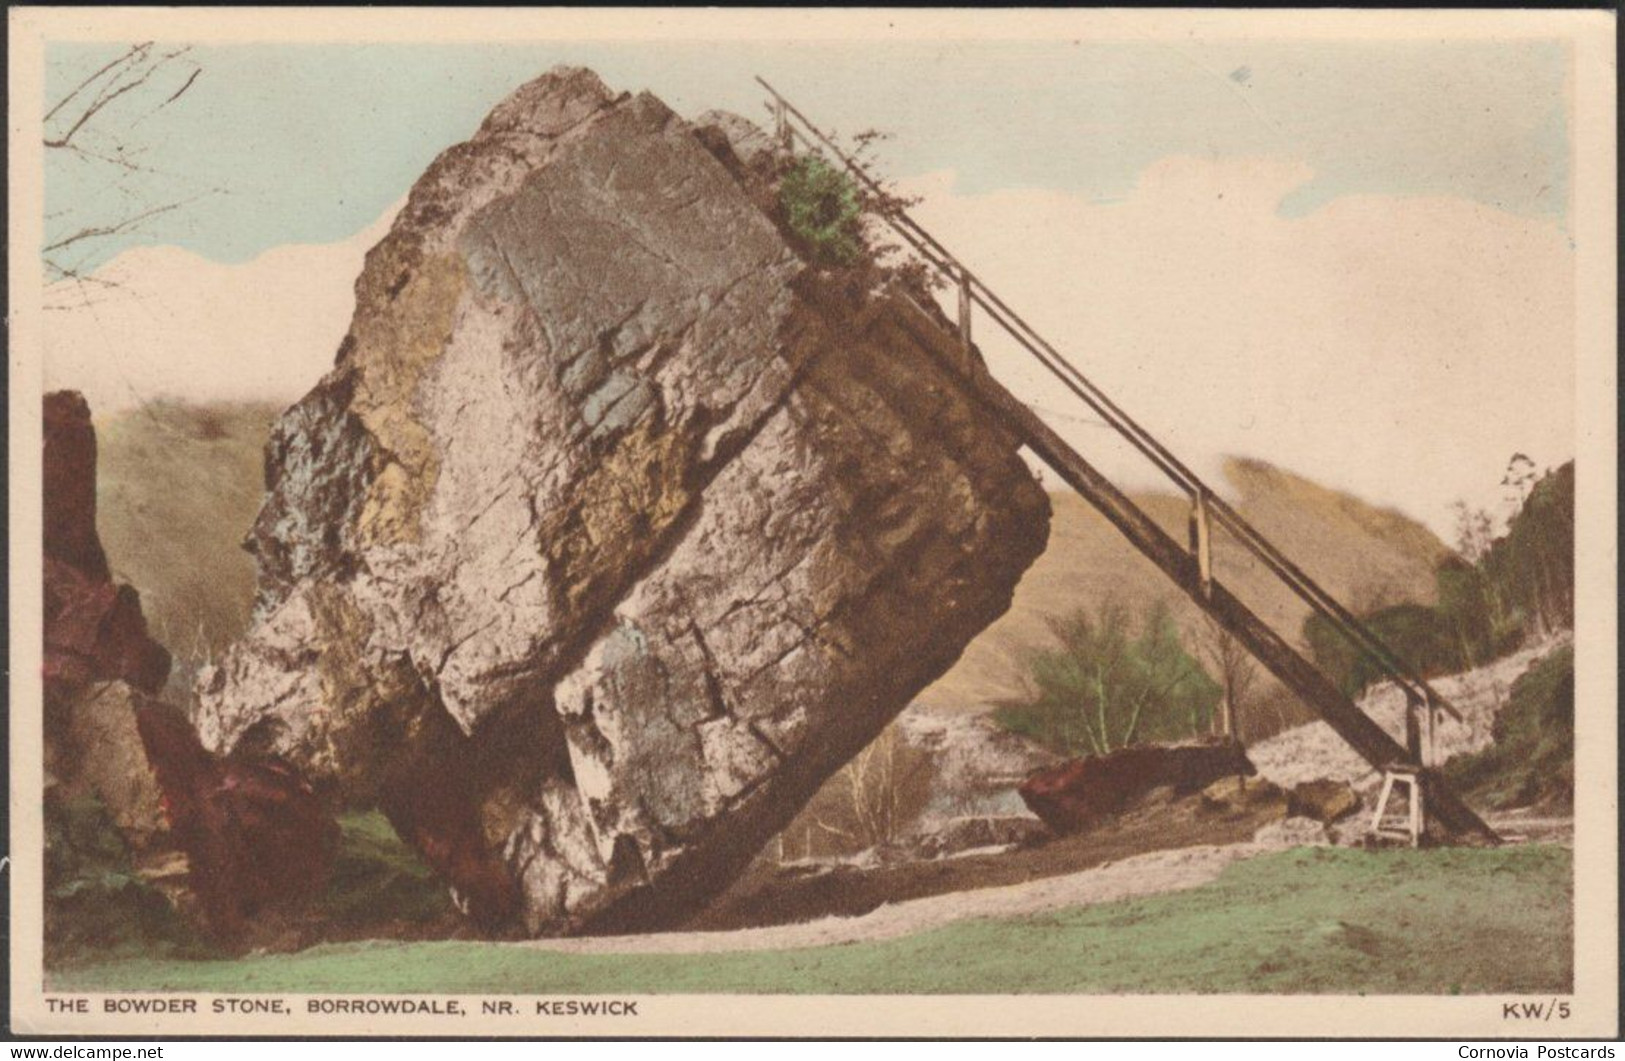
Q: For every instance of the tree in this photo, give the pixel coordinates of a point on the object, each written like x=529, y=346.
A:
x=1519, y=480
x=1104, y=687
x=1236, y=668
x=1475, y=530
x=877, y=794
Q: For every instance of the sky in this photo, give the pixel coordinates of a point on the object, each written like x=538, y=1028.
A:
x=1352, y=259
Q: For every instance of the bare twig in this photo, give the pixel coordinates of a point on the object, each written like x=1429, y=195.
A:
x=136, y=50
x=108, y=94
x=101, y=231
x=182, y=89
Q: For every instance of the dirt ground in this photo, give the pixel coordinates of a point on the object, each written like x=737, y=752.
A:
x=773, y=895
x=1160, y=846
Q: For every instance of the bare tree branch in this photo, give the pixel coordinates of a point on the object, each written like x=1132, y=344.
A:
x=99, y=231
x=108, y=93
x=134, y=51
x=197, y=71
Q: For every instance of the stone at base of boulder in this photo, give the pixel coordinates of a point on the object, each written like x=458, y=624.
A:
x=1243, y=793
x=1324, y=801
x=100, y=754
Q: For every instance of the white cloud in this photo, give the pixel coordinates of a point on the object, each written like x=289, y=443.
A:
x=1401, y=348
x=176, y=324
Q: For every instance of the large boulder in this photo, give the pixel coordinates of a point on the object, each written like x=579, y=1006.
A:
x=616, y=528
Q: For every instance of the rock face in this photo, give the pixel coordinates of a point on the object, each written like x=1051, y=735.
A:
x=1080, y=792
x=616, y=528
x=976, y=764
x=253, y=831
x=98, y=658
x=93, y=628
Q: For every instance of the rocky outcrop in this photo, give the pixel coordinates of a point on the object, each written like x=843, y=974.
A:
x=976, y=764
x=616, y=528
x=1079, y=793
x=256, y=836
x=98, y=658
x=93, y=628
x=253, y=832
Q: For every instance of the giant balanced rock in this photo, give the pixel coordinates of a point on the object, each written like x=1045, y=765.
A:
x=617, y=527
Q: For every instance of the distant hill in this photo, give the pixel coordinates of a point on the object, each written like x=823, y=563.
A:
x=180, y=485
x=1366, y=556
x=177, y=487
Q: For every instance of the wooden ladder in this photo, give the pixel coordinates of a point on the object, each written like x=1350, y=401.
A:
x=1190, y=568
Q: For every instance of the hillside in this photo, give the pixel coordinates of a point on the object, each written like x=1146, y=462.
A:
x=178, y=486
x=1367, y=557
x=181, y=484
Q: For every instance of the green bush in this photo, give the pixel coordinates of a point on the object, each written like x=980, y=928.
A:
x=378, y=879
x=1423, y=637
x=1532, y=759
x=95, y=904
x=1105, y=686
x=823, y=209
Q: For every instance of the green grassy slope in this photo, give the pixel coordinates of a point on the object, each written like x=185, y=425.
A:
x=1304, y=921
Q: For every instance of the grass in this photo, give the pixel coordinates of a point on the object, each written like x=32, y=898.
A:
x=1319, y=920
x=376, y=878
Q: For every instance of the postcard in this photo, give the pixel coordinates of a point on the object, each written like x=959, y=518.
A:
x=663, y=522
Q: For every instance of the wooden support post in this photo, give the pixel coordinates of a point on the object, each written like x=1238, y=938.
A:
x=1430, y=733
x=1419, y=814
x=1382, y=803
x=1413, y=729
x=1201, y=530
x=964, y=309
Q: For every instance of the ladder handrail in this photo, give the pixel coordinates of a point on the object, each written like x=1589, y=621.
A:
x=1416, y=688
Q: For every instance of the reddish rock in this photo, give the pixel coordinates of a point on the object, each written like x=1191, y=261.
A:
x=255, y=833
x=94, y=629
x=70, y=485
x=1078, y=793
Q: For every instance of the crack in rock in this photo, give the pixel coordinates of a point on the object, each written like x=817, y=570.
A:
x=684, y=522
